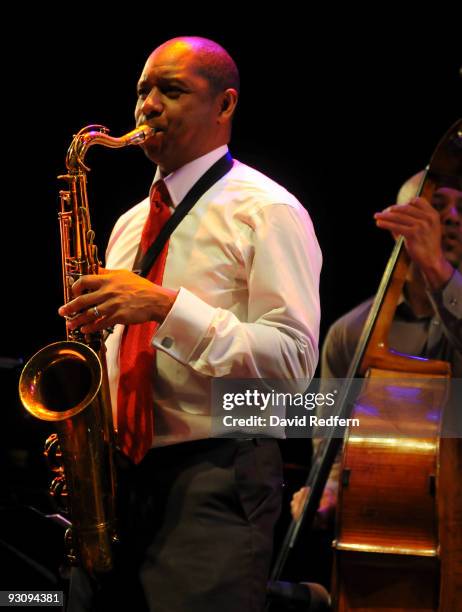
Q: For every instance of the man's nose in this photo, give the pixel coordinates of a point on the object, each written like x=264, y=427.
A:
x=152, y=104
x=451, y=215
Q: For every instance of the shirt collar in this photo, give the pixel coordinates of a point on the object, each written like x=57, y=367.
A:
x=404, y=310
x=180, y=181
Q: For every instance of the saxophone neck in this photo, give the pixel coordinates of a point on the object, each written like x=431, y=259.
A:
x=98, y=134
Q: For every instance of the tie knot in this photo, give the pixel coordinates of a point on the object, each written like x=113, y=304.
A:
x=160, y=196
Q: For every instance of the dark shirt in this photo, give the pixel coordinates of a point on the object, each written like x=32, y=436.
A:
x=436, y=337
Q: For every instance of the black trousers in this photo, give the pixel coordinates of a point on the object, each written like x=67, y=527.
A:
x=196, y=527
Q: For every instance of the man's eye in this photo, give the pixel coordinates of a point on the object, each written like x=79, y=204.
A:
x=438, y=205
x=172, y=92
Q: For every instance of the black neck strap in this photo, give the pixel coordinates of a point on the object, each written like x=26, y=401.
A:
x=213, y=174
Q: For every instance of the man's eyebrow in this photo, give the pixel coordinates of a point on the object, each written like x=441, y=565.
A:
x=172, y=80
x=163, y=80
x=141, y=83
x=444, y=196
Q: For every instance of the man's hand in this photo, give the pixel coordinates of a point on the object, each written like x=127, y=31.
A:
x=115, y=296
x=327, y=505
x=419, y=223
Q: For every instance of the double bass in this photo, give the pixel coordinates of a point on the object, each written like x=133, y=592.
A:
x=398, y=541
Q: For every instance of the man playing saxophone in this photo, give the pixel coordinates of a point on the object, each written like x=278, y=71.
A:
x=232, y=294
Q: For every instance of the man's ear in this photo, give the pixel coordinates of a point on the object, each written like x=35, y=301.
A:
x=228, y=104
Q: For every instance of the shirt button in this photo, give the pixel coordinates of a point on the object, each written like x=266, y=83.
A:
x=167, y=342
x=435, y=322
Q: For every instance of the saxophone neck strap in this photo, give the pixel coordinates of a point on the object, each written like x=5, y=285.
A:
x=206, y=181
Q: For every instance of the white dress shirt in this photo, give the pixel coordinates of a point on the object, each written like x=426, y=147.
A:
x=246, y=263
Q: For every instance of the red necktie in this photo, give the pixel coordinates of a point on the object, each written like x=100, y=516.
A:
x=137, y=360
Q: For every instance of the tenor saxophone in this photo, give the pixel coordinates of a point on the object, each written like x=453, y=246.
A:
x=66, y=382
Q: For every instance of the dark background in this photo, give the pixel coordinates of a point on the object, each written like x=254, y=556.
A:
x=340, y=109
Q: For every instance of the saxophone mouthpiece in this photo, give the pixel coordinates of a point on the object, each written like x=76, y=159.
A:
x=139, y=134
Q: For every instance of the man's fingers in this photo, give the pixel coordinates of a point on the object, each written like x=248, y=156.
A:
x=297, y=501
x=89, y=282
x=82, y=305
x=401, y=216
x=398, y=229
x=417, y=208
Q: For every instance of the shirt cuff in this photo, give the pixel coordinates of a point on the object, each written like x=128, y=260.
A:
x=184, y=327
